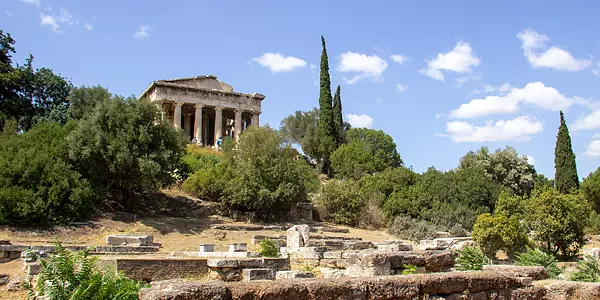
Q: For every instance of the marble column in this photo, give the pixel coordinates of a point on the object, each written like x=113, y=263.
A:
x=255, y=120
x=238, y=124
x=218, y=123
x=198, y=124
x=187, y=124
x=177, y=115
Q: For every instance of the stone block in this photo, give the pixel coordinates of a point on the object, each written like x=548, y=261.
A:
x=332, y=273
x=4, y=254
x=593, y=252
x=4, y=242
x=294, y=274
x=258, y=274
x=393, y=246
x=297, y=236
x=535, y=272
x=207, y=247
x=368, y=264
x=222, y=263
x=332, y=254
x=34, y=268
x=333, y=263
x=141, y=240
x=238, y=247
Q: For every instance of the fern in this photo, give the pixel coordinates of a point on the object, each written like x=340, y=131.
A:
x=536, y=257
x=587, y=270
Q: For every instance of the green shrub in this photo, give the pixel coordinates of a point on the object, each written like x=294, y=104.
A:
x=470, y=258
x=413, y=229
x=74, y=275
x=38, y=186
x=409, y=269
x=268, y=248
x=206, y=183
x=558, y=221
x=587, y=270
x=499, y=232
x=343, y=201
x=536, y=257
x=371, y=214
x=197, y=158
x=594, y=223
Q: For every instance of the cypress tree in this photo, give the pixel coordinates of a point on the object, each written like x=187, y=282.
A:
x=326, y=124
x=338, y=119
x=565, y=175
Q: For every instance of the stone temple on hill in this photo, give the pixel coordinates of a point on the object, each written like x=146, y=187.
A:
x=204, y=107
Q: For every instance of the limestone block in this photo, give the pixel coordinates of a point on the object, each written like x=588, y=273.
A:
x=34, y=268
x=141, y=240
x=207, y=247
x=593, y=252
x=4, y=254
x=238, y=247
x=332, y=273
x=14, y=254
x=425, y=245
x=229, y=274
x=222, y=263
x=332, y=254
x=535, y=272
x=333, y=263
x=297, y=236
x=393, y=246
x=294, y=274
x=368, y=264
x=258, y=274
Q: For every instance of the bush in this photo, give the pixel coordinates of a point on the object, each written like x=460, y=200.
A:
x=124, y=151
x=197, y=158
x=499, y=232
x=38, y=186
x=587, y=270
x=593, y=224
x=207, y=183
x=343, y=201
x=371, y=215
x=535, y=257
x=591, y=189
x=470, y=258
x=268, y=248
x=413, y=229
x=74, y=275
x=558, y=221
x=409, y=269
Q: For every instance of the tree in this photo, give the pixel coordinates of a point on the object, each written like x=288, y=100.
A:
x=294, y=127
x=125, y=150
x=558, y=221
x=565, y=176
x=327, y=133
x=38, y=186
x=591, y=189
x=500, y=232
x=368, y=151
x=505, y=167
x=338, y=117
x=343, y=201
x=83, y=100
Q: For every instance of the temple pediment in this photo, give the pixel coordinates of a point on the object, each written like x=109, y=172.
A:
x=206, y=82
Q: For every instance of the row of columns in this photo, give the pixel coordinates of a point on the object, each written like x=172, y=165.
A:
x=218, y=121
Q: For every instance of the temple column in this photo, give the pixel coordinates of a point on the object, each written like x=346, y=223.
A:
x=238, y=124
x=255, y=120
x=218, y=123
x=198, y=124
x=177, y=115
x=187, y=124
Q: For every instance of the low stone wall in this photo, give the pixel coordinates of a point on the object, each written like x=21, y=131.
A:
x=155, y=269
x=10, y=252
x=470, y=285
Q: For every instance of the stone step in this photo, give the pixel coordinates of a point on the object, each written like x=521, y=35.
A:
x=294, y=274
x=258, y=274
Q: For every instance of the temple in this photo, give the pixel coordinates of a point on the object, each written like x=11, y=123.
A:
x=204, y=107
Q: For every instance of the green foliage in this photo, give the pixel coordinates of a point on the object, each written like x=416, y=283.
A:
x=505, y=167
x=565, y=175
x=387, y=181
x=587, y=270
x=338, y=119
x=591, y=189
x=326, y=121
x=74, y=275
x=368, y=151
x=294, y=127
x=343, y=201
x=543, y=183
x=499, y=232
x=536, y=257
x=593, y=224
x=409, y=269
x=470, y=258
x=207, y=183
x=125, y=151
x=558, y=221
x=197, y=158
x=37, y=184
x=84, y=99
x=268, y=248
x=413, y=229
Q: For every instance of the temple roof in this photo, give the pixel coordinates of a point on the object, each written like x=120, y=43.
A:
x=207, y=83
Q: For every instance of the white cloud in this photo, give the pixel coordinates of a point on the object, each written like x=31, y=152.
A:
x=591, y=121
x=8, y=13
x=279, y=63
x=460, y=60
x=359, y=121
x=490, y=89
x=88, y=26
x=534, y=44
x=55, y=22
x=530, y=160
x=535, y=93
x=593, y=149
x=142, y=32
x=402, y=87
x=461, y=80
x=518, y=129
x=367, y=66
x=399, y=59
x=36, y=2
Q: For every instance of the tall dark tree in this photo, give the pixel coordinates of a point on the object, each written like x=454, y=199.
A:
x=326, y=123
x=338, y=119
x=565, y=175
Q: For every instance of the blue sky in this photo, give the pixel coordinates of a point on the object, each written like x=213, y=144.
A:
x=441, y=77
